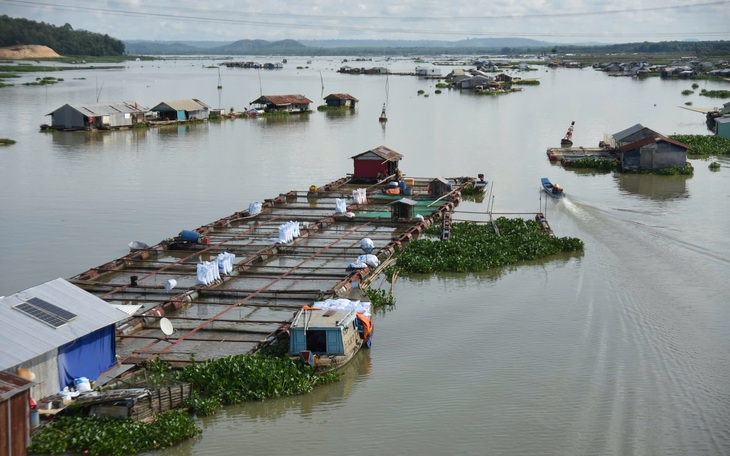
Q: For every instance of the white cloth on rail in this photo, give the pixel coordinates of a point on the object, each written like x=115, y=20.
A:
x=340, y=205
x=288, y=232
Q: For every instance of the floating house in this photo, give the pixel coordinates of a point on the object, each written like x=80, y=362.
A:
x=341, y=99
x=181, y=110
x=653, y=152
x=100, y=116
x=285, y=103
x=631, y=135
x=722, y=127
x=474, y=82
x=14, y=414
x=403, y=208
x=374, y=163
x=423, y=71
x=59, y=332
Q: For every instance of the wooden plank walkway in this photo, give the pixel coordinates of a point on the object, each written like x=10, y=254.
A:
x=254, y=304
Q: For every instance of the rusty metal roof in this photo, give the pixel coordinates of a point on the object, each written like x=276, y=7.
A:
x=340, y=96
x=651, y=139
x=11, y=384
x=282, y=100
x=383, y=152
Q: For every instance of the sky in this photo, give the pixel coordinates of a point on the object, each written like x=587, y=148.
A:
x=554, y=21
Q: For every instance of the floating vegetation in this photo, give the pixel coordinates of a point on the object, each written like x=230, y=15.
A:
x=437, y=91
x=688, y=103
x=442, y=85
x=380, y=298
x=421, y=92
x=596, y=163
x=6, y=141
x=673, y=171
x=240, y=378
x=477, y=247
x=714, y=166
x=333, y=108
x=687, y=92
x=112, y=436
x=695, y=85
x=525, y=82
x=43, y=81
x=704, y=145
x=715, y=93
x=470, y=190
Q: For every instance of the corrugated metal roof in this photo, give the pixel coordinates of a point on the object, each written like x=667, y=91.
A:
x=651, y=139
x=629, y=131
x=382, y=152
x=282, y=100
x=340, y=96
x=106, y=109
x=193, y=104
x=11, y=384
x=23, y=337
x=407, y=201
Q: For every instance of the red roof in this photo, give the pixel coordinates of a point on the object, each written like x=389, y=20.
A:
x=651, y=139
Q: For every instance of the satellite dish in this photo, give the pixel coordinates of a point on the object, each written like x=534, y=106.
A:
x=166, y=326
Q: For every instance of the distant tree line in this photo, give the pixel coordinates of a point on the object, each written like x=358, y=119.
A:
x=698, y=48
x=471, y=47
x=64, y=40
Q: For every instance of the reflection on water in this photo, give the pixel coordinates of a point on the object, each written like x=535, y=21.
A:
x=654, y=186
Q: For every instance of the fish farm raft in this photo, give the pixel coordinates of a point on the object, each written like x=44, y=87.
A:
x=234, y=285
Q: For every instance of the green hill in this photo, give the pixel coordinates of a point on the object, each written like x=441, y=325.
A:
x=64, y=40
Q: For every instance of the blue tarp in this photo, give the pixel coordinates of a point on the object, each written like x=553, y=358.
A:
x=87, y=356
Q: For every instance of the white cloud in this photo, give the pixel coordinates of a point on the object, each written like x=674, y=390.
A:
x=547, y=20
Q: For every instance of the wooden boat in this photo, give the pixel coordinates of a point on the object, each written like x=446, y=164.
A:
x=328, y=334
x=553, y=190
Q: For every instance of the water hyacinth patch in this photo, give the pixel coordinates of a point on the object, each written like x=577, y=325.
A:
x=477, y=247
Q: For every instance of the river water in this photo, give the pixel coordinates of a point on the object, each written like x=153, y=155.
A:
x=623, y=349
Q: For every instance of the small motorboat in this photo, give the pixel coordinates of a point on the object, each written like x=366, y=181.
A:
x=551, y=189
x=481, y=184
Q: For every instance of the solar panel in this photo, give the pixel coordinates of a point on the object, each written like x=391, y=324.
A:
x=45, y=312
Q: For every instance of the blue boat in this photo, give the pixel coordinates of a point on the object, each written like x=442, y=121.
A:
x=553, y=190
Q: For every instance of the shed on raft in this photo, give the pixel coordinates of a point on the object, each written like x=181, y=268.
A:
x=59, y=332
x=653, y=152
x=403, y=208
x=439, y=187
x=14, y=414
x=181, y=110
x=102, y=116
x=285, y=103
x=341, y=100
x=380, y=161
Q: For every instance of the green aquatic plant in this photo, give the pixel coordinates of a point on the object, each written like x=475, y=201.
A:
x=112, y=436
x=704, y=145
x=380, y=298
x=715, y=93
x=476, y=247
x=714, y=166
x=687, y=92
